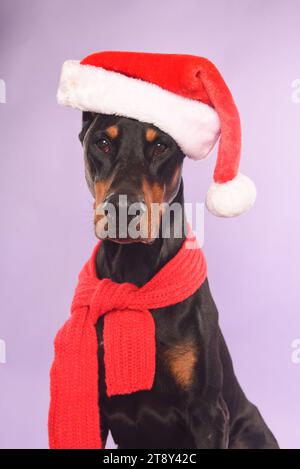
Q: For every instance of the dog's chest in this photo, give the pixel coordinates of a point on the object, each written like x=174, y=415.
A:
x=165, y=409
x=178, y=361
x=176, y=346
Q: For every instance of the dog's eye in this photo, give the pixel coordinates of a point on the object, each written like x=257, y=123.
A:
x=104, y=145
x=159, y=148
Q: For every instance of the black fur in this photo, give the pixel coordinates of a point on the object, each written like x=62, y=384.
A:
x=213, y=412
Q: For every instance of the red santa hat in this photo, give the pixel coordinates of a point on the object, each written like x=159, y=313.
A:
x=184, y=95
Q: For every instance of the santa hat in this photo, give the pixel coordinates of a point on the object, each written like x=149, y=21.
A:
x=184, y=95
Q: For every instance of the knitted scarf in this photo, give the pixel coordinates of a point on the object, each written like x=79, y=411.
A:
x=129, y=342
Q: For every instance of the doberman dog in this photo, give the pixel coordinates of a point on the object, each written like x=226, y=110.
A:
x=196, y=400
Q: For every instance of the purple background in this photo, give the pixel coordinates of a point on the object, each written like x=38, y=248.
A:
x=46, y=209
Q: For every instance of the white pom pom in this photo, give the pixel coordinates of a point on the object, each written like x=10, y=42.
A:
x=231, y=198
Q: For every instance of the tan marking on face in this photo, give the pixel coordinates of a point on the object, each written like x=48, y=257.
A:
x=153, y=194
x=175, y=177
x=157, y=193
x=112, y=131
x=171, y=188
x=151, y=134
x=181, y=360
x=100, y=188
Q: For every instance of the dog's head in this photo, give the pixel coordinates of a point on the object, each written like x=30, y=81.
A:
x=133, y=169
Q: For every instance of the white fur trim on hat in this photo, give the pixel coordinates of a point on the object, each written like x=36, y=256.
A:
x=195, y=126
x=231, y=198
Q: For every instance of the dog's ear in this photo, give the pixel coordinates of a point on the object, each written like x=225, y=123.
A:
x=87, y=119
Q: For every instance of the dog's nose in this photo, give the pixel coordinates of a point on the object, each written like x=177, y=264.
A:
x=121, y=209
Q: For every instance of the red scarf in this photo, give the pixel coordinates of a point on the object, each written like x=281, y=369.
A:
x=129, y=342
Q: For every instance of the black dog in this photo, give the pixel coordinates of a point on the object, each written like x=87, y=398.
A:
x=196, y=400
